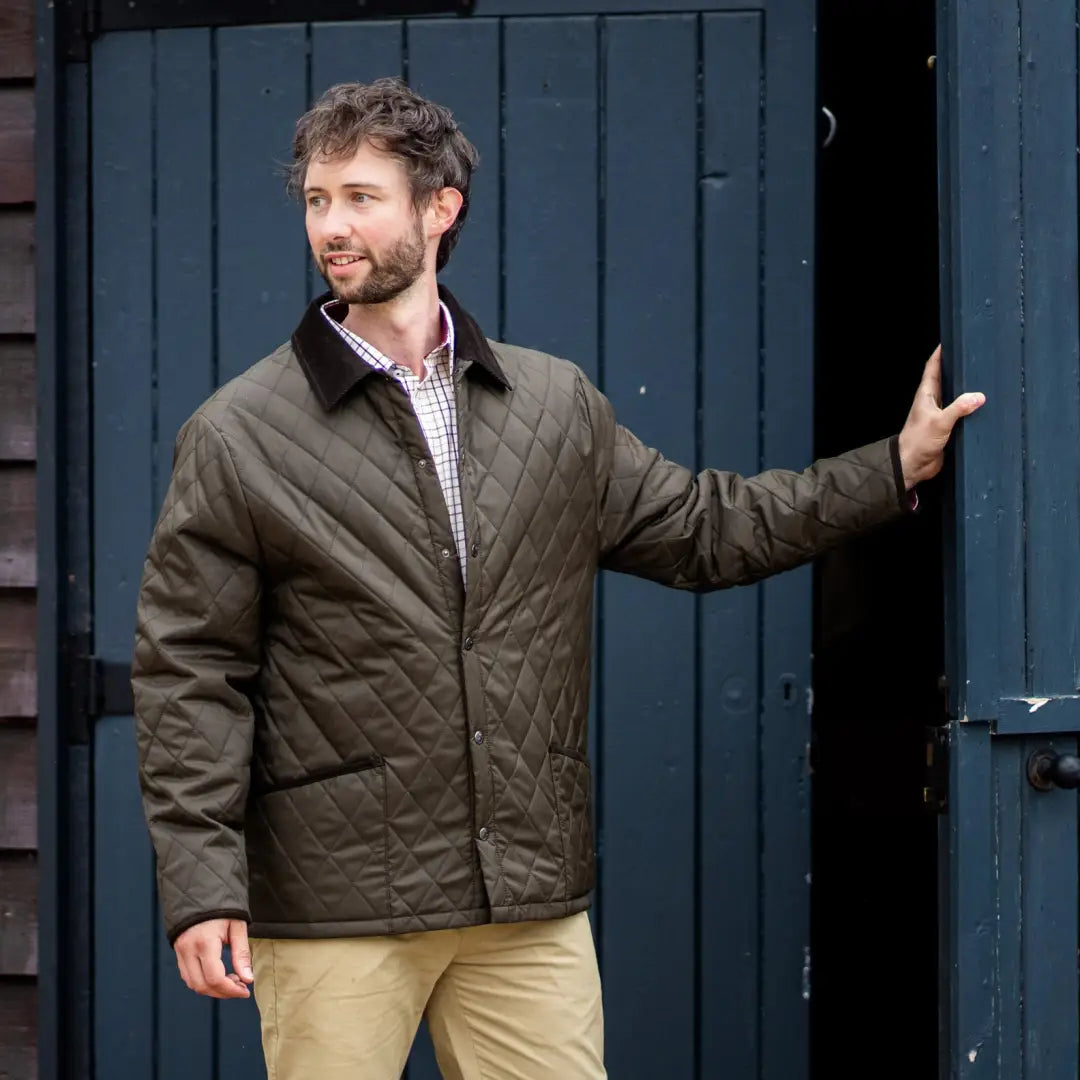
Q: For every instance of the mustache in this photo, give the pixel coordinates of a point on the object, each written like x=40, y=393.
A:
x=338, y=249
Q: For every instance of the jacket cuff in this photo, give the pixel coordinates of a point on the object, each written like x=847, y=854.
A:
x=205, y=916
x=909, y=500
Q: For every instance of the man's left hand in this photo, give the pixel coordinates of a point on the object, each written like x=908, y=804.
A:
x=928, y=426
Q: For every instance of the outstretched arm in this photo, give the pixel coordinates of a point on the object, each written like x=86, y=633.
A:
x=716, y=529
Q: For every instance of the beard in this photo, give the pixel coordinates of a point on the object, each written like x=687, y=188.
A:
x=389, y=274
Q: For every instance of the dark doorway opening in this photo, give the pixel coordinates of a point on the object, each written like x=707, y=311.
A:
x=878, y=627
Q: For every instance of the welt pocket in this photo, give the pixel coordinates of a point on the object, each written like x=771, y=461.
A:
x=317, y=776
x=570, y=752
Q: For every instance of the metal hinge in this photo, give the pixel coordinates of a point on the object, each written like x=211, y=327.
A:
x=936, y=785
x=97, y=688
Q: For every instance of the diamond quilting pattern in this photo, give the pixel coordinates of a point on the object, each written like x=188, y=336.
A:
x=329, y=850
x=297, y=614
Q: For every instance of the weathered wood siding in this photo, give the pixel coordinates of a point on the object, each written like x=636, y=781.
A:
x=18, y=571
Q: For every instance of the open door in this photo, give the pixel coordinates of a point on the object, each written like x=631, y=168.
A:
x=1008, y=196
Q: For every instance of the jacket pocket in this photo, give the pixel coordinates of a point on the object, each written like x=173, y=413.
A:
x=317, y=847
x=573, y=803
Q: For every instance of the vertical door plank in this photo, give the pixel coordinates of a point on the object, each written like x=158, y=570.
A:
x=123, y=347
x=351, y=52
x=456, y=63
x=1051, y=344
x=1010, y=798
x=1051, y=1008
x=971, y=998
x=184, y=270
x=354, y=52
x=787, y=440
x=261, y=247
x=550, y=184
x=185, y=215
x=123, y=357
x=125, y=912
x=983, y=328
x=650, y=375
x=730, y=621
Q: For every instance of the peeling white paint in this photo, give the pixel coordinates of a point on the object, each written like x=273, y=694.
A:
x=642, y=390
x=972, y=1055
x=1036, y=703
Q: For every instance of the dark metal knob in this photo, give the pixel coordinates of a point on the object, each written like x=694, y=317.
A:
x=1048, y=769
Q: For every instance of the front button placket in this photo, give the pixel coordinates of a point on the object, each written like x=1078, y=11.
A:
x=471, y=646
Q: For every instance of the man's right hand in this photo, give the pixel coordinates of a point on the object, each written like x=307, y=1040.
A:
x=198, y=954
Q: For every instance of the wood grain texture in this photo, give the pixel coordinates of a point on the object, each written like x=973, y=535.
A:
x=16, y=39
x=16, y=144
x=18, y=914
x=16, y=272
x=18, y=1025
x=18, y=403
x=18, y=619
x=18, y=555
x=18, y=683
x=18, y=790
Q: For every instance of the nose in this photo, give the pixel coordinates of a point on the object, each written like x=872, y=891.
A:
x=333, y=226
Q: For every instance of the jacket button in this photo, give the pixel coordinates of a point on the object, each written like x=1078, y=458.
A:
x=468, y=643
x=446, y=553
x=483, y=834
x=478, y=738
x=475, y=550
x=421, y=463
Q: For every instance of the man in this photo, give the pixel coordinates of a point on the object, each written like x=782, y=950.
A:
x=363, y=647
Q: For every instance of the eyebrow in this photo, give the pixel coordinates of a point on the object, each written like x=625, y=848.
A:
x=371, y=186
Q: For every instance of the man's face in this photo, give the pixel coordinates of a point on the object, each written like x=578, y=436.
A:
x=365, y=234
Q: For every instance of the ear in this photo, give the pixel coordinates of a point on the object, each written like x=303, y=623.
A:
x=443, y=210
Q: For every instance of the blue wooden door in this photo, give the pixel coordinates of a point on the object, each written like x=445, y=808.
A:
x=1008, y=110
x=645, y=208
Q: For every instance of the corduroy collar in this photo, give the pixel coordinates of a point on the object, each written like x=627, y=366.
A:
x=333, y=368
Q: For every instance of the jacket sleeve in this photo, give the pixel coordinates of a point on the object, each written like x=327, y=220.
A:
x=717, y=529
x=197, y=651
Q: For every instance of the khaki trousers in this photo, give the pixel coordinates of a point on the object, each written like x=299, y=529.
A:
x=507, y=1001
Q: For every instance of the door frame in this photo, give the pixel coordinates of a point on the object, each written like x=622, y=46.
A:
x=64, y=1011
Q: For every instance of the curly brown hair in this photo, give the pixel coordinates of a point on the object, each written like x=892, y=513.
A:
x=423, y=135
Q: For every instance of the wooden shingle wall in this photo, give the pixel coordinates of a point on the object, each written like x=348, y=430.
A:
x=18, y=571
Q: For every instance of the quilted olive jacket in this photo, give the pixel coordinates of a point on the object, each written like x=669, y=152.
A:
x=335, y=737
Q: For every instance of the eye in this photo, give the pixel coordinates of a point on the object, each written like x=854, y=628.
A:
x=361, y=197
x=315, y=201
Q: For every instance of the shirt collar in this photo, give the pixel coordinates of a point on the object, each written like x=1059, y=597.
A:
x=334, y=310
x=333, y=367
